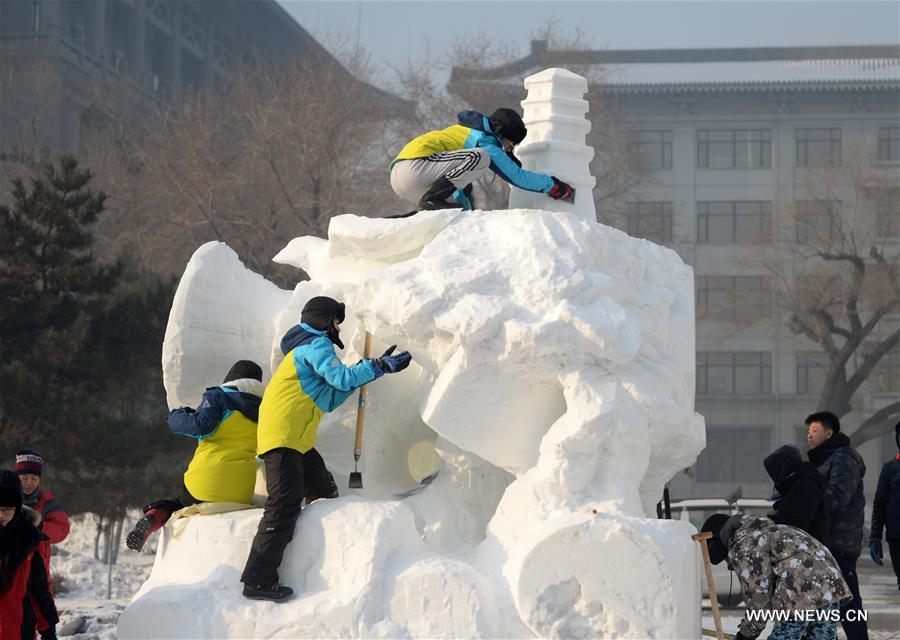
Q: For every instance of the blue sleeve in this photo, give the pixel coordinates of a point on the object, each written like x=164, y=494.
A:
x=200, y=423
x=324, y=361
x=503, y=166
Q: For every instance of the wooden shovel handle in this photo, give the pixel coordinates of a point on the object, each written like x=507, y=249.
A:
x=361, y=406
x=701, y=539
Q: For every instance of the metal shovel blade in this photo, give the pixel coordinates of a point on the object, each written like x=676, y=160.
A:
x=356, y=480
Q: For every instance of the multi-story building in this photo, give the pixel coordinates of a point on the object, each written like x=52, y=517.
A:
x=166, y=47
x=729, y=137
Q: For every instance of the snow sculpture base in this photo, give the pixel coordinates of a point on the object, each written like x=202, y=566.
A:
x=360, y=569
x=553, y=379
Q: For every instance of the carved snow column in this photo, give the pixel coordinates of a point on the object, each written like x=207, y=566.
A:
x=555, y=116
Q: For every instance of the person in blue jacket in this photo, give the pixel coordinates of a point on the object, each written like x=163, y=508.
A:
x=436, y=169
x=223, y=468
x=886, y=512
x=310, y=382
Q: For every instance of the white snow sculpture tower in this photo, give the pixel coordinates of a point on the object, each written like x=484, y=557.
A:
x=555, y=116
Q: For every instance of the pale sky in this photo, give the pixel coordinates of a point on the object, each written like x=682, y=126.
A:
x=395, y=32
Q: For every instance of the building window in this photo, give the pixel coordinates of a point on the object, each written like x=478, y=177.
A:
x=887, y=211
x=815, y=146
x=818, y=221
x=651, y=149
x=889, y=144
x=733, y=298
x=734, y=148
x=734, y=222
x=734, y=373
x=886, y=375
x=651, y=221
x=811, y=369
x=734, y=454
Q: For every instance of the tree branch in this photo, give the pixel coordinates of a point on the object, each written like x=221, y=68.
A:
x=876, y=424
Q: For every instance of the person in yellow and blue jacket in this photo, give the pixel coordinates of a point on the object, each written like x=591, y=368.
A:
x=436, y=170
x=310, y=382
x=223, y=468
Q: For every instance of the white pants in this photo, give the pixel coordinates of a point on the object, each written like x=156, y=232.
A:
x=410, y=179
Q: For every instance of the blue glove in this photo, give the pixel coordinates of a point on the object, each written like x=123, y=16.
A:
x=876, y=552
x=388, y=363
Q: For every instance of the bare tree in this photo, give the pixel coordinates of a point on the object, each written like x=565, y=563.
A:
x=837, y=279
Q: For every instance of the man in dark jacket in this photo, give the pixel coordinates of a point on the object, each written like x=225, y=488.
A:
x=886, y=511
x=800, y=489
x=843, y=469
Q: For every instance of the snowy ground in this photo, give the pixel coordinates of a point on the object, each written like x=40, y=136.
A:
x=85, y=612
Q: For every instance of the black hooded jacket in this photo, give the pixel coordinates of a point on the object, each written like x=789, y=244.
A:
x=22, y=572
x=802, y=489
x=886, y=507
x=843, y=469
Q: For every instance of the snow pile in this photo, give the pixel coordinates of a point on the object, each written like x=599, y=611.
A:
x=80, y=581
x=553, y=375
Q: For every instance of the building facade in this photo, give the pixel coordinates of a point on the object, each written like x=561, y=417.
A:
x=53, y=49
x=729, y=138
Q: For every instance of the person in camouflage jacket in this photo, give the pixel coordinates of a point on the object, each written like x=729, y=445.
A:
x=780, y=568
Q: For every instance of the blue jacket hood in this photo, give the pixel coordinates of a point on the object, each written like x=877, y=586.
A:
x=476, y=120
x=299, y=335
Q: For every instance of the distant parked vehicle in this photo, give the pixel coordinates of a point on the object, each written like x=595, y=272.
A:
x=697, y=510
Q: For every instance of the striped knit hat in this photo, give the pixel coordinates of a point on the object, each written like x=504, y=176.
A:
x=28, y=461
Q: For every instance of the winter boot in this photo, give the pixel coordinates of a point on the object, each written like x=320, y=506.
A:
x=151, y=521
x=439, y=196
x=273, y=592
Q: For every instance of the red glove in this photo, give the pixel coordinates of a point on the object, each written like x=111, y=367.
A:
x=561, y=191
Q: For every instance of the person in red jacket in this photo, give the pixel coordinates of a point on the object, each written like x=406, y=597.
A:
x=54, y=521
x=24, y=587
x=53, y=524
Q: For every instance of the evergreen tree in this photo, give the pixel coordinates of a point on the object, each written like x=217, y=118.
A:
x=80, y=376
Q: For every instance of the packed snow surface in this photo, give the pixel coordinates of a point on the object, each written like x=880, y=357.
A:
x=553, y=382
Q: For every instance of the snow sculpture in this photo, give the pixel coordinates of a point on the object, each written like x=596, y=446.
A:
x=554, y=112
x=553, y=381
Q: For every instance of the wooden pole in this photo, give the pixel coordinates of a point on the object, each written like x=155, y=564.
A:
x=701, y=539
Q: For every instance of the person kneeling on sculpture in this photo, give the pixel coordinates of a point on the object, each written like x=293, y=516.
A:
x=780, y=568
x=309, y=382
x=223, y=468
x=436, y=169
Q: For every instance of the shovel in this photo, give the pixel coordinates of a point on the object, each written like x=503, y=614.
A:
x=356, y=477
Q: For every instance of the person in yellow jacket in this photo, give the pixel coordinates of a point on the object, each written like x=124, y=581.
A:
x=223, y=468
x=309, y=382
x=436, y=169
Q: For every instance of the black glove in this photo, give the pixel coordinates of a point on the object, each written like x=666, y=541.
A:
x=388, y=363
x=49, y=633
x=561, y=191
x=740, y=636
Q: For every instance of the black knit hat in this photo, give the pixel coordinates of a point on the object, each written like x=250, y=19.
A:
x=10, y=489
x=244, y=369
x=320, y=313
x=717, y=549
x=506, y=123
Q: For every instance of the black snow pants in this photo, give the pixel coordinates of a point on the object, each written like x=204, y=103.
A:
x=291, y=476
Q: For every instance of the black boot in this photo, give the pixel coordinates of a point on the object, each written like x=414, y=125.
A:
x=273, y=592
x=438, y=196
